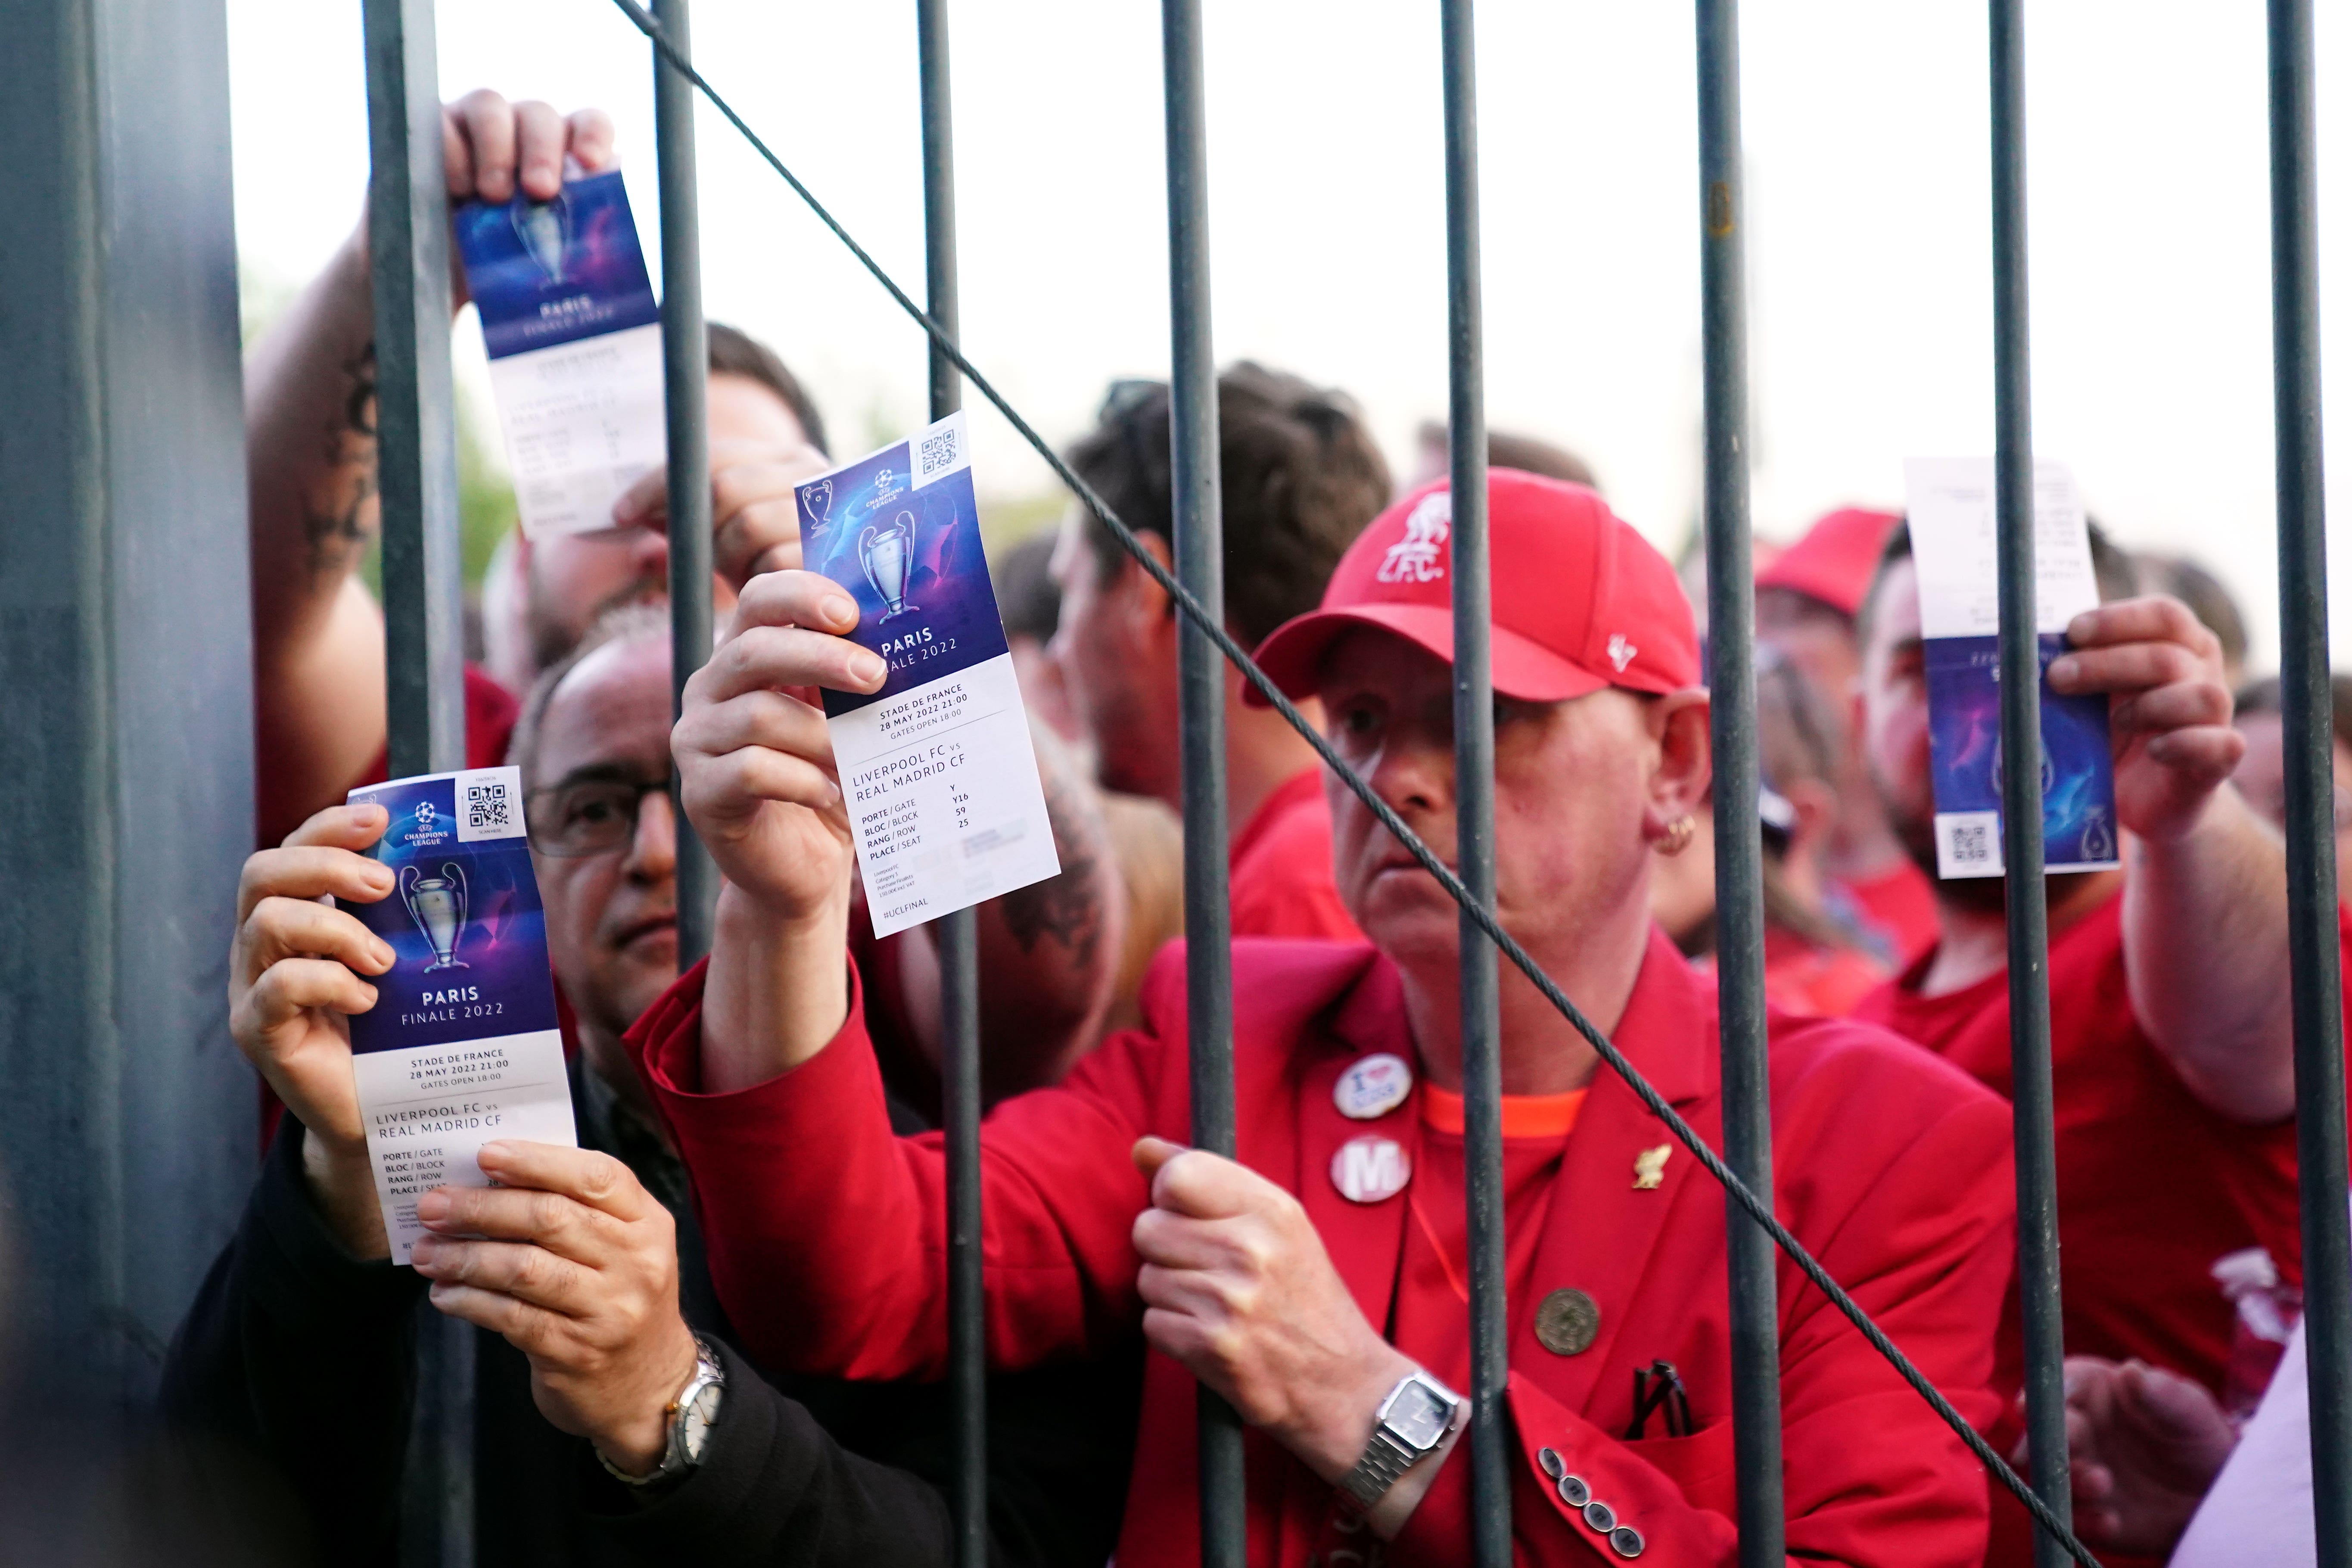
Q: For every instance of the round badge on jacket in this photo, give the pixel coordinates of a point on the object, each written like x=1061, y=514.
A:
x=1373, y=1086
x=1369, y=1169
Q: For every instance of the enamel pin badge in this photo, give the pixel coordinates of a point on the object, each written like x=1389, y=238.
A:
x=1372, y=1086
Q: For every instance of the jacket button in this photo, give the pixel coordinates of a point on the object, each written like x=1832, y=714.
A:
x=1600, y=1517
x=1566, y=1320
x=1573, y=1491
x=1553, y=1465
x=1626, y=1540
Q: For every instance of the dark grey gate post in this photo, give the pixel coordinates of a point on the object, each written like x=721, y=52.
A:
x=126, y=738
x=1752, y=1265
x=2310, y=885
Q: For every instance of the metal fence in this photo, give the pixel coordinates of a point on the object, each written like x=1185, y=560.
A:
x=409, y=237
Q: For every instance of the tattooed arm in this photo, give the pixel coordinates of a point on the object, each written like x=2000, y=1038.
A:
x=318, y=638
x=1049, y=952
x=310, y=452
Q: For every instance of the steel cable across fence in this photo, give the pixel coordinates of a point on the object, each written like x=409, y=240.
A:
x=1239, y=658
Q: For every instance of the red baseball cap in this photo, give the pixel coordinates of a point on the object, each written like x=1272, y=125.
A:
x=1580, y=600
x=1835, y=560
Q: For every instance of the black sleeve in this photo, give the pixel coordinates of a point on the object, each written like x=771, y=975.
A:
x=300, y=1353
x=773, y=1491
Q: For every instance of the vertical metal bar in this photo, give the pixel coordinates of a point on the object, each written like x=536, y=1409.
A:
x=1198, y=508
x=1738, y=830
x=957, y=935
x=126, y=662
x=408, y=256
x=2020, y=742
x=2310, y=783
x=1474, y=799
x=686, y=375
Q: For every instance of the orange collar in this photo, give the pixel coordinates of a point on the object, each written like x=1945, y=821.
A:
x=1524, y=1115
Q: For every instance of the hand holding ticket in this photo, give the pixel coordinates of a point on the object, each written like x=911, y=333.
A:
x=1953, y=539
x=937, y=767
x=574, y=339
x=461, y=1045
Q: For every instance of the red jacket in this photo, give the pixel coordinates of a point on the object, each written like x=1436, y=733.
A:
x=825, y=1239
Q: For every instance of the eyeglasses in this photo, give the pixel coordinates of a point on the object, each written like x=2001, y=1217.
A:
x=587, y=817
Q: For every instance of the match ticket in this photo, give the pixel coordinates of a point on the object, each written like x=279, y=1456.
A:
x=937, y=766
x=574, y=339
x=1954, y=544
x=462, y=1045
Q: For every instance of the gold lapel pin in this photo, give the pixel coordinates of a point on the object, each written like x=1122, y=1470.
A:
x=1650, y=1167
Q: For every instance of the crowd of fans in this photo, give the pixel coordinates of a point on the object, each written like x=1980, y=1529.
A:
x=757, y=1185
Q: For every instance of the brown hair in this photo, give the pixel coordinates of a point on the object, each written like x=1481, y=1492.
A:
x=1301, y=478
x=2262, y=697
x=2190, y=583
x=734, y=352
x=1528, y=454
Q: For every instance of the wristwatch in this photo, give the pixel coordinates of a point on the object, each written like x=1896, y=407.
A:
x=1414, y=1419
x=691, y=1417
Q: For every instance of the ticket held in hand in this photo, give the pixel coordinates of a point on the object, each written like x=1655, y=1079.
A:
x=937, y=768
x=462, y=1046
x=574, y=339
x=1954, y=543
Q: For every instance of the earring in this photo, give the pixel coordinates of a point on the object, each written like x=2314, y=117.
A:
x=1679, y=833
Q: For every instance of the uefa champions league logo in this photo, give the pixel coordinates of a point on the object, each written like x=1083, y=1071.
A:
x=425, y=816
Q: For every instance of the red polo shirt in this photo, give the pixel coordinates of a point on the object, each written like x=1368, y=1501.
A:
x=2153, y=1184
x=1281, y=883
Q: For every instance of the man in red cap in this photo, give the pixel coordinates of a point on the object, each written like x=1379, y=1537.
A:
x=1318, y=1282
x=1807, y=599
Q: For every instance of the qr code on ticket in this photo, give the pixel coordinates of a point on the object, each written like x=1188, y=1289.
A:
x=938, y=454
x=1968, y=843
x=488, y=807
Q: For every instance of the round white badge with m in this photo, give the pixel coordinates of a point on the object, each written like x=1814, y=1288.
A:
x=1368, y=1170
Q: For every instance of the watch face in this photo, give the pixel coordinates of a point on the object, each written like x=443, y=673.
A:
x=694, y=1422
x=1418, y=1416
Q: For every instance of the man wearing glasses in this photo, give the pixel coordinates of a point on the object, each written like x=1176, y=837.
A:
x=298, y=1346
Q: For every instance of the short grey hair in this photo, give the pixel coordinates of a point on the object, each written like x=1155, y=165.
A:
x=627, y=622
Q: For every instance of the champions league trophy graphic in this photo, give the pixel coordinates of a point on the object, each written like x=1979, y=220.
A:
x=818, y=499
x=545, y=230
x=887, y=551
x=437, y=905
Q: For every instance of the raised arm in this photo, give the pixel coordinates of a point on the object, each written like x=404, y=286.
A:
x=311, y=455
x=2204, y=917
x=824, y=1232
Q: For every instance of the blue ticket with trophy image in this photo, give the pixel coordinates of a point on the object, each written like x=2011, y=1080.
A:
x=462, y=1045
x=574, y=339
x=938, y=767
x=1954, y=544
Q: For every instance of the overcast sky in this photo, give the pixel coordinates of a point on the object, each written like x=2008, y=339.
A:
x=1868, y=245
